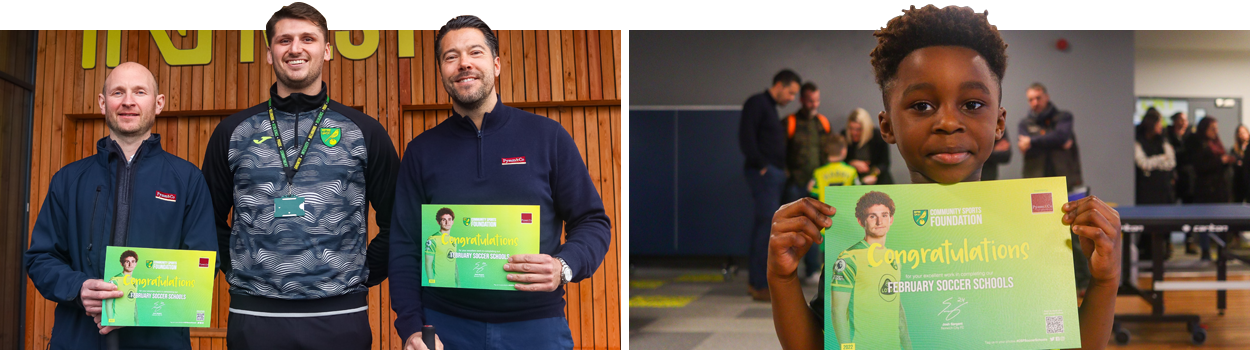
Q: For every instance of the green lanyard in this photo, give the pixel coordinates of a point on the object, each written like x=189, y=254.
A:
x=286, y=167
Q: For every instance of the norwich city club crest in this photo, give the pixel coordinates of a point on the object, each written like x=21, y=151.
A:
x=920, y=216
x=149, y=264
x=466, y=221
x=331, y=136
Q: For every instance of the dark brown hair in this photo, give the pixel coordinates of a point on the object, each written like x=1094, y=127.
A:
x=129, y=254
x=870, y=199
x=466, y=21
x=297, y=10
x=444, y=211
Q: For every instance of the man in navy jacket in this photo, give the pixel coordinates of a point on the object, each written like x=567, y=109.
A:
x=489, y=153
x=130, y=193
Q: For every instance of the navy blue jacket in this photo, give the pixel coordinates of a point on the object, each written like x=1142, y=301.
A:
x=455, y=163
x=760, y=134
x=75, y=225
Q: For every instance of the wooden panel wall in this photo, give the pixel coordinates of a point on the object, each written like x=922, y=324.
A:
x=14, y=143
x=570, y=76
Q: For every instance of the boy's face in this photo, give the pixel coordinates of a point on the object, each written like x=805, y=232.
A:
x=445, y=221
x=942, y=111
x=877, y=221
x=129, y=265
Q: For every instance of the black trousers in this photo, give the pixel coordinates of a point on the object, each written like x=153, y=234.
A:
x=346, y=331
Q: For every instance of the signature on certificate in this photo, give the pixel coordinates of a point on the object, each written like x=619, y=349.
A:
x=952, y=308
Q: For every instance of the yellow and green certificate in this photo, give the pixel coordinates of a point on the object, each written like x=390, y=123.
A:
x=160, y=287
x=975, y=265
x=465, y=246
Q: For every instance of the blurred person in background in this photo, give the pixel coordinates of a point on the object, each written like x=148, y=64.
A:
x=866, y=150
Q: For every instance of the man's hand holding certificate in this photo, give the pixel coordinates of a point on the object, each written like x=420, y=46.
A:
x=159, y=287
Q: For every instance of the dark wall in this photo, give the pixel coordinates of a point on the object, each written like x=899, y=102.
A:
x=16, y=80
x=1093, y=79
x=688, y=195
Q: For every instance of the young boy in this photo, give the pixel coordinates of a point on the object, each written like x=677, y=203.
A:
x=940, y=72
x=836, y=173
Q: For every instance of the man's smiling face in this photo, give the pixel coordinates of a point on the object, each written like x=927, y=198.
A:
x=468, y=67
x=297, y=52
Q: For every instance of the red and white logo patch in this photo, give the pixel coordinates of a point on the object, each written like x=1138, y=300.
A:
x=1042, y=203
x=203, y=262
x=168, y=197
x=514, y=160
x=527, y=218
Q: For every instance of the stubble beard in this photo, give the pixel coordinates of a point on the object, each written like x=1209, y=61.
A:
x=473, y=99
x=314, y=76
x=145, y=125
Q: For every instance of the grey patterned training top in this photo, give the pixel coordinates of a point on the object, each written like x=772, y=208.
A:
x=350, y=162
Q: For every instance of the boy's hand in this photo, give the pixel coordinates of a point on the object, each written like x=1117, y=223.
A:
x=1099, y=228
x=796, y=226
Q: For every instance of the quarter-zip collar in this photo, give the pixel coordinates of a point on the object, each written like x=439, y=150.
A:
x=491, y=121
x=296, y=102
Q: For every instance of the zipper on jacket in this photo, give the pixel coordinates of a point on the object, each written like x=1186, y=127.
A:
x=479, y=153
x=125, y=187
x=91, y=227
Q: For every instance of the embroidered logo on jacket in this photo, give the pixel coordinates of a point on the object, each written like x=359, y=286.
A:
x=168, y=197
x=262, y=140
x=331, y=136
x=515, y=160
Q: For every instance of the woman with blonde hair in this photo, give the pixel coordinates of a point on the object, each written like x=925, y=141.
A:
x=866, y=150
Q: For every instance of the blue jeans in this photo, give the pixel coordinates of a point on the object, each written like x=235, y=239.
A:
x=460, y=333
x=766, y=196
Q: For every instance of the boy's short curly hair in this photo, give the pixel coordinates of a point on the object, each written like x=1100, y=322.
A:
x=870, y=199
x=129, y=254
x=933, y=26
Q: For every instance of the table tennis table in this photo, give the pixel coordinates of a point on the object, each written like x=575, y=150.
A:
x=1159, y=221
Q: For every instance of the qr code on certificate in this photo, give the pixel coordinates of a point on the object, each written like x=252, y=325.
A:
x=1054, y=324
x=199, y=316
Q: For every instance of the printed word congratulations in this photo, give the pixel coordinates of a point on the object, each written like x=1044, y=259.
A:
x=986, y=251
x=485, y=241
x=162, y=281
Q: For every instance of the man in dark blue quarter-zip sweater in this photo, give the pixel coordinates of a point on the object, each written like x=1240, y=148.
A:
x=130, y=193
x=489, y=153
